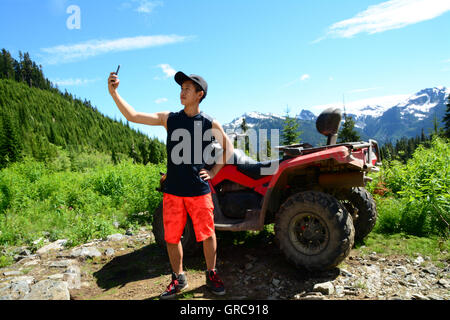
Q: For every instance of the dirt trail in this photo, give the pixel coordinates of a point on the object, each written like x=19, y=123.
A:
x=252, y=267
x=256, y=269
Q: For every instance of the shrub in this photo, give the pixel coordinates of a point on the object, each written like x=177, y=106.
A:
x=421, y=190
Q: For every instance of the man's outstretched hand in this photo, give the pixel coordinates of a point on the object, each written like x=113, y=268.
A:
x=113, y=82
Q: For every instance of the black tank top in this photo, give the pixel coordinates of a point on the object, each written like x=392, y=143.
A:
x=188, y=146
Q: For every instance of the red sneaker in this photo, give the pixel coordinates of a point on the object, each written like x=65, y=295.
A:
x=178, y=284
x=214, y=283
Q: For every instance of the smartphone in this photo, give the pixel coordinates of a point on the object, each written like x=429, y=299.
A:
x=118, y=68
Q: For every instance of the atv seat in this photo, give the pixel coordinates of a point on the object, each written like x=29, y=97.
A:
x=250, y=167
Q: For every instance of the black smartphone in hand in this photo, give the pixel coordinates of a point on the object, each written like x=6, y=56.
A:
x=118, y=68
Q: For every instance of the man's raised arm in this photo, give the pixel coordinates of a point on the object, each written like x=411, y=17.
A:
x=152, y=119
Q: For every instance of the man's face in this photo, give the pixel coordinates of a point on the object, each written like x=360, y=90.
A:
x=188, y=95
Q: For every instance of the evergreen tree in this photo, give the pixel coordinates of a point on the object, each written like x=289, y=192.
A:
x=133, y=154
x=404, y=148
x=244, y=128
x=387, y=151
x=27, y=69
x=10, y=145
x=143, y=148
x=437, y=131
x=6, y=65
x=446, y=119
x=423, y=138
x=154, y=152
x=52, y=137
x=348, y=133
x=114, y=158
x=290, y=133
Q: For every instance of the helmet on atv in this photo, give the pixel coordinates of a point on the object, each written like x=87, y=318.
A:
x=328, y=123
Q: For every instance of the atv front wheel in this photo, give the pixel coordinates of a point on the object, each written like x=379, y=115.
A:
x=314, y=231
x=361, y=205
x=190, y=245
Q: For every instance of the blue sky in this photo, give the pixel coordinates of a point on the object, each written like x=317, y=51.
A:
x=256, y=55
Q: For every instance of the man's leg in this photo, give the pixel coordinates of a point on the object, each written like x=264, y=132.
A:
x=213, y=281
x=210, y=251
x=175, y=252
x=179, y=281
x=201, y=210
x=174, y=219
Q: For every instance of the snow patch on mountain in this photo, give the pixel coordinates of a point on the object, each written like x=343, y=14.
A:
x=374, y=107
x=251, y=119
x=420, y=104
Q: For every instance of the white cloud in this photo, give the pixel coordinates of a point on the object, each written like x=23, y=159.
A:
x=305, y=77
x=167, y=69
x=161, y=100
x=73, y=82
x=146, y=6
x=291, y=83
x=70, y=53
x=388, y=15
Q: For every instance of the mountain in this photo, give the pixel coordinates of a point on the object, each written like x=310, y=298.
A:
x=406, y=118
x=383, y=119
x=257, y=120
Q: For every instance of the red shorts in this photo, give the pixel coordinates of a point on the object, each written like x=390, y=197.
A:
x=175, y=209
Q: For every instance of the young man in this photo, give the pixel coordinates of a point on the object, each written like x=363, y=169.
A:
x=186, y=189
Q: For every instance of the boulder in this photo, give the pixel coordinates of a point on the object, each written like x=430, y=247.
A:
x=49, y=290
x=57, y=245
x=324, y=288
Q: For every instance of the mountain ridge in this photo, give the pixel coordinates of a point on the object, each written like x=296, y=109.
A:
x=391, y=119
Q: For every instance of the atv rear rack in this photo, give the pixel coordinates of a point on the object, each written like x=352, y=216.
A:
x=295, y=150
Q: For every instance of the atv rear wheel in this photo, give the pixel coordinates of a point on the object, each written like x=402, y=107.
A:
x=314, y=231
x=190, y=245
x=361, y=205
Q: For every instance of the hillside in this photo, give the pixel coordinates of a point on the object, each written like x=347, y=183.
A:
x=37, y=119
x=36, y=122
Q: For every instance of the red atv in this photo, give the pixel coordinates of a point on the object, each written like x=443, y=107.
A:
x=316, y=198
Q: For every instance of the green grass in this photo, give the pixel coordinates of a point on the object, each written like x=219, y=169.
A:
x=41, y=200
x=6, y=260
x=438, y=249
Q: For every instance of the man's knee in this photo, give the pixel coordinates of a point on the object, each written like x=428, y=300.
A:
x=211, y=238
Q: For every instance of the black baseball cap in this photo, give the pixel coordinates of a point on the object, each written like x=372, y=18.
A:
x=180, y=78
